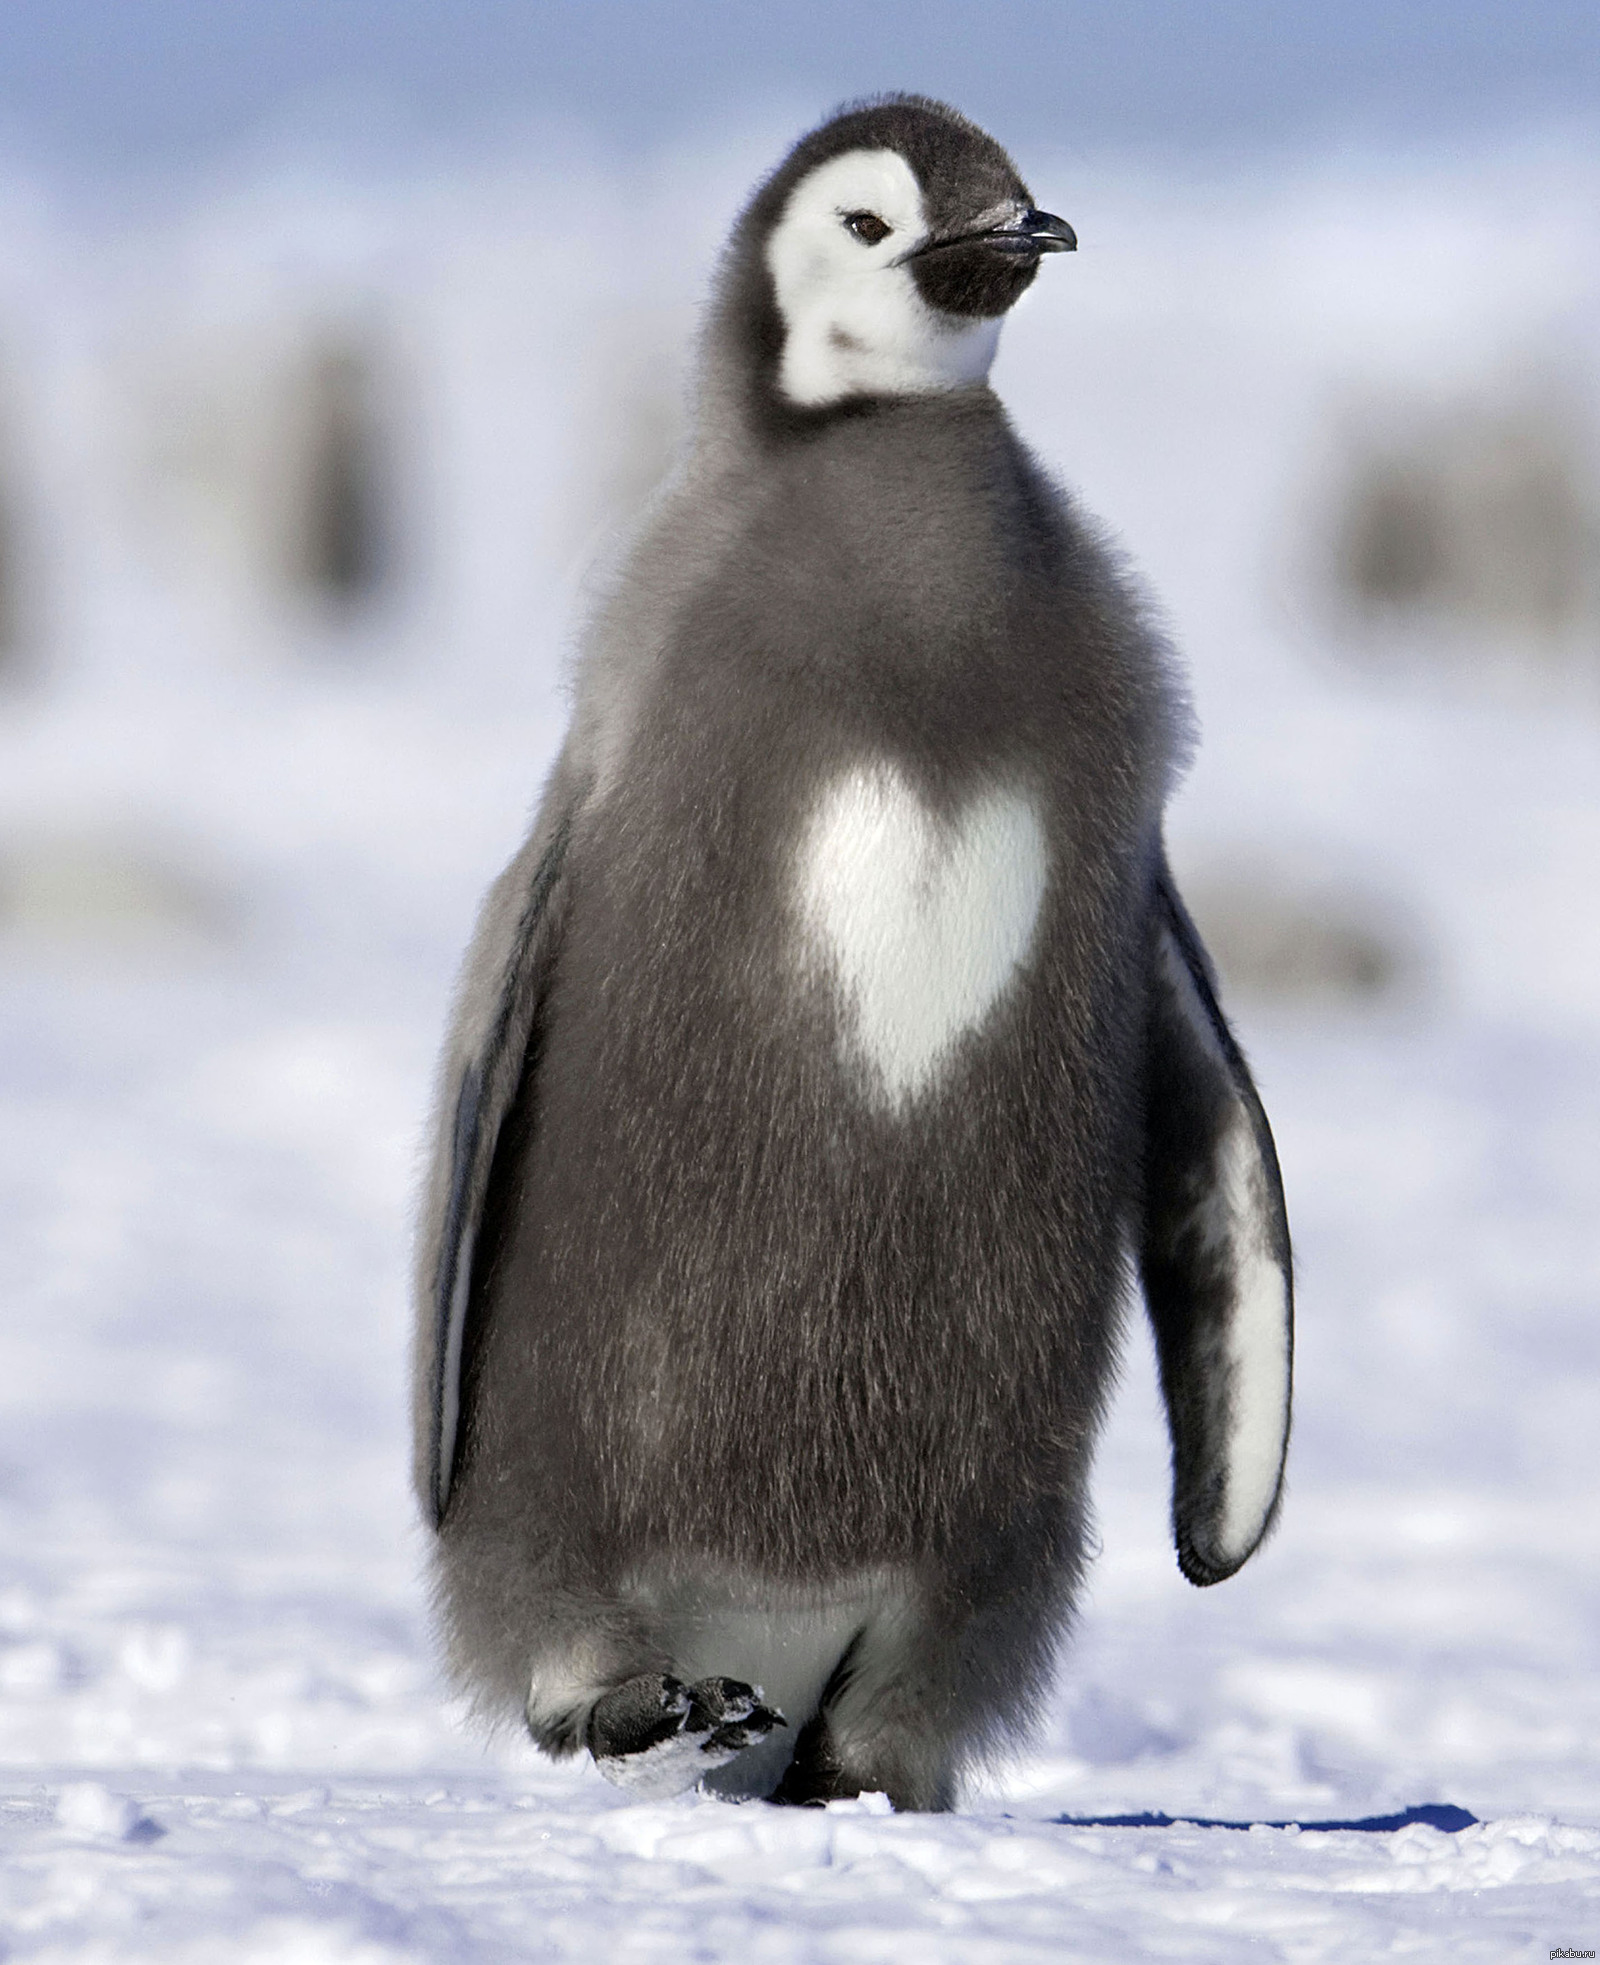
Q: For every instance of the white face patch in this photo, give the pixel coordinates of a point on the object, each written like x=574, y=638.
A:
x=923, y=924
x=854, y=322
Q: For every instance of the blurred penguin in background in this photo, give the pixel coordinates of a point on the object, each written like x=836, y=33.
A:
x=827, y=1055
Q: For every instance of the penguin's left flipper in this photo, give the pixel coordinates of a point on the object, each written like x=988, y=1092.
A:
x=1215, y=1261
x=656, y=1736
x=505, y=977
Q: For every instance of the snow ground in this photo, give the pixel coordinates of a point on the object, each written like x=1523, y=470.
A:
x=221, y=1736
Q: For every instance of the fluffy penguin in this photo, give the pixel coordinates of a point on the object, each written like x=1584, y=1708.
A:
x=827, y=1058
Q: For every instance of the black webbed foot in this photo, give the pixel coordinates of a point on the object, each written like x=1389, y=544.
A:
x=656, y=1736
x=816, y=1775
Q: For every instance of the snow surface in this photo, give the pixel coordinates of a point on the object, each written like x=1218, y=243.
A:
x=221, y=1733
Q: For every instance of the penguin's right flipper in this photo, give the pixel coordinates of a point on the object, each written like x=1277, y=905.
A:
x=505, y=976
x=1215, y=1261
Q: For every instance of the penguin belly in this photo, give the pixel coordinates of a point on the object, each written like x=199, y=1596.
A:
x=799, y=1267
x=918, y=925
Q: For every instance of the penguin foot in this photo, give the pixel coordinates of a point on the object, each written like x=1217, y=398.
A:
x=656, y=1736
x=816, y=1775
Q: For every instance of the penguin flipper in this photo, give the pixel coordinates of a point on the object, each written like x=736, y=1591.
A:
x=502, y=983
x=1215, y=1261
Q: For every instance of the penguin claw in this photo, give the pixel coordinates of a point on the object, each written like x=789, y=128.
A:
x=732, y=1715
x=728, y=1741
x=720, y=1705
x=656, y=1736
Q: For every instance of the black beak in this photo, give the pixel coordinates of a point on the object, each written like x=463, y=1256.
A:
x=1047, y=233
x=981, y=274
x=1028, y=236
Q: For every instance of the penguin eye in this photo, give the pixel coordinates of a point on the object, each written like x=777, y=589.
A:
x=867, y=227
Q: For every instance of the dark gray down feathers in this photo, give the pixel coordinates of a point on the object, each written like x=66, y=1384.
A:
x=703, y=1297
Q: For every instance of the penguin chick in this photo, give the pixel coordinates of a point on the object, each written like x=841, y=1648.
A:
x=826, y=1055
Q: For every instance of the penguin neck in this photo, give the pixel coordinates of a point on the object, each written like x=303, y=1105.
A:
x=904, y=518
x=743, y=423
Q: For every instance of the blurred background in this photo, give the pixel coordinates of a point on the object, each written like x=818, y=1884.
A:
x=337, y=342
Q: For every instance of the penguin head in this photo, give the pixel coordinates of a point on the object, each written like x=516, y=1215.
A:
x=881, y=256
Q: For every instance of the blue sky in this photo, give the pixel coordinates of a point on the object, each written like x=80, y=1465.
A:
x=108, y=85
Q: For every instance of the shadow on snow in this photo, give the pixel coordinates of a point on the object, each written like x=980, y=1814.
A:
x=1432, y=1814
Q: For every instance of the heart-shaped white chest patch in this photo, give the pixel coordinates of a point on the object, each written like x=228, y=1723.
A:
x=922, y=921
